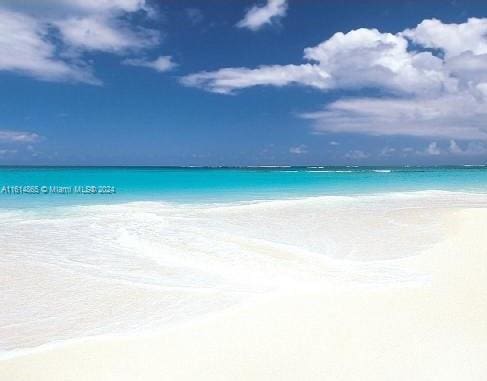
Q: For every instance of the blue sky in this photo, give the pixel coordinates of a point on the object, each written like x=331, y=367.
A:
x=276, y=82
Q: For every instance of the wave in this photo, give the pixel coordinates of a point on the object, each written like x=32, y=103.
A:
x=330, y=171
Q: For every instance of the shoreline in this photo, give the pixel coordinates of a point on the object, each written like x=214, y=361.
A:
x=429, y=332
x=277, y=199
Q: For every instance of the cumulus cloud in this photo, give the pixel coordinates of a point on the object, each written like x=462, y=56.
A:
x=59, y=8
x=433, y=149
x=474, y=148
x=360, y=58
x=29, y=43
x=25, y=49
x=387, y=151
x=161, y=64
x=458, y=116
x=11, y=136
x=99, y=25
x=225, y=81
x=104, y=34
x=257, y=17
x=299, y=150
x=433, y=80
x=357, y=155
x=471, y=149
x=105, y=5
x=454, y=147
x=452, y=39
x=368, y=58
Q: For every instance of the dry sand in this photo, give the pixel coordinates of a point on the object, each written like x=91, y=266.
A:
x=434, y=331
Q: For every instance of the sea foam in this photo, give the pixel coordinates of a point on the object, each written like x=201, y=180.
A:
x=79, y=271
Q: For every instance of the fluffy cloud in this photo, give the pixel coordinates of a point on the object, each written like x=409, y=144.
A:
x=98, y=25
x=433, y=149
x=257, y=17
x=10, y=136
x=161, y=64
x=454, y=147
x=458, y=116
x=471, y=149
x=28, y=36
x=433, y=79
x=452, y=39
x=357, y=155
x=299, y=150
x=387, y=151
x=225, y=81
x=59, y=9
x=105, y=5
x=358, y=59
x=367, y=58
x=25, y=49
x=104, y=34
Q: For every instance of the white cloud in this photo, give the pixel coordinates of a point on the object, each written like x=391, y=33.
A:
x=225, y=81
x=24, y=48
x=358, y=59
x=103, y=34
x=475, y=148
x=11, y=136
x=257, y=17
x=368, y=58
x=453, y=39
x=472, y=148
x=161, y=64
x=459, y=116
x=357, y=155
x=105, y=5
x=29, y=43
x=454, y=147
x=425, y=93
x=433, y=149
x=57, y=9
x=470, y=70
x=387, y=151
x=299, y=150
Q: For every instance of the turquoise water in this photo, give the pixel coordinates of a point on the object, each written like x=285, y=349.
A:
x=226, y=184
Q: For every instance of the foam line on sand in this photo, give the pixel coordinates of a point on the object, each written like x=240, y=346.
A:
x=432, y=331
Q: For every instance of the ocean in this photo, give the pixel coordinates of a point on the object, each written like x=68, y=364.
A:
x=108, y=251
x=210, y=185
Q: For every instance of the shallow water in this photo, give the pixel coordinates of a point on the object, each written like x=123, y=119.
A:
x=81, y=266
x=228, y=184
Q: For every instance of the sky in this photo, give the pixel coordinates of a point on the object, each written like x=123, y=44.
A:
x=237, y=83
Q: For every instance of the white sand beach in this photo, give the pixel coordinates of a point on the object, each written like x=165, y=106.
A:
x=258, y=190
x=431, y=330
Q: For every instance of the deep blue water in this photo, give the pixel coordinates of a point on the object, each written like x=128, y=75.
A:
x=225, y=184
